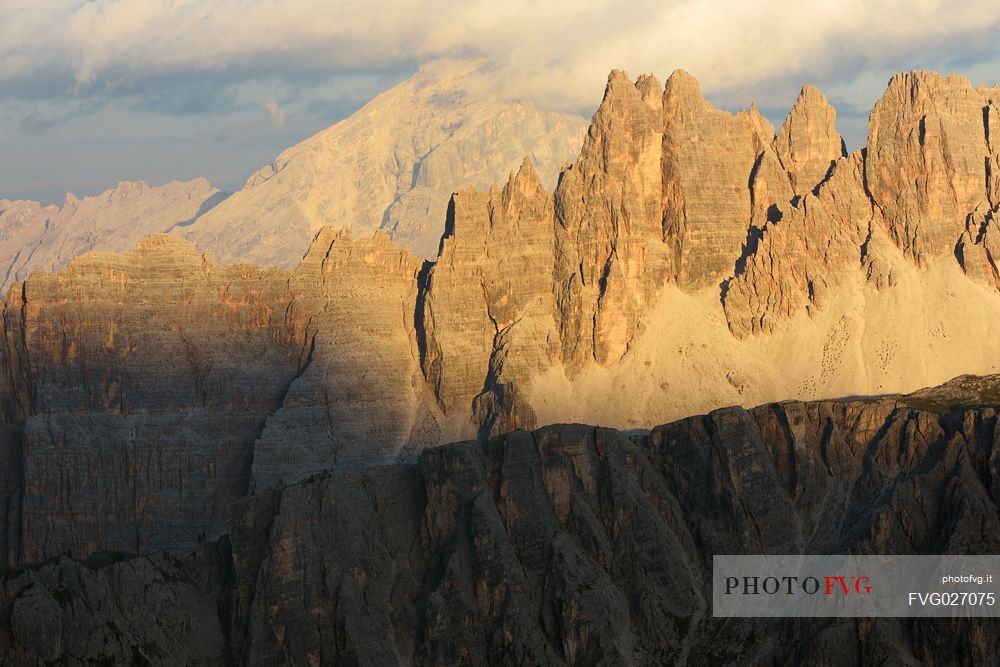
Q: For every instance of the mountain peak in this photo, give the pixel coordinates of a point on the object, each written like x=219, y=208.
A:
x=441, y=69
x=526, y=178
x=808, y=142
x=125, y=189
x=681, y=84
x=618, y=77
x=927, y=146
x=927, y=79
x=391, y=165
x=761, y=126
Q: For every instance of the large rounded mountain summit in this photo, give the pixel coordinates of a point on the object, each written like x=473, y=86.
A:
x=391, y=165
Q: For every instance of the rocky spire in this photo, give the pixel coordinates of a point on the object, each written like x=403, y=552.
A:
x=708, y=155
x=609, y=250
x=808, y=143
x=925, y=160
x=991, y=124
x=487, y=310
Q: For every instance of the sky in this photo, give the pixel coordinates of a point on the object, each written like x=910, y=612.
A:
x=93, y=92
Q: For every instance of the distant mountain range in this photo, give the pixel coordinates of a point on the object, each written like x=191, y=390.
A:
x=35, y=237
x=687, y=260
x=392, y=165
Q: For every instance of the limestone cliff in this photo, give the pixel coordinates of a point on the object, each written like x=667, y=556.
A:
x=920, y=183
x=609, y=255
x=581, y=545
x=571, y=544
x=689, y=259
x=927, y=146
x=803, y=253
x=348, y=315
x=140, y=382
x=488, y=311
x=708, y=158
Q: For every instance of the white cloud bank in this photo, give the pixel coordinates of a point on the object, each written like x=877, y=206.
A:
x=99, y=90
x=556, y=52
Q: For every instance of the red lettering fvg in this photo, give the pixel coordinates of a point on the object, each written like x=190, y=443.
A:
x=841, y=584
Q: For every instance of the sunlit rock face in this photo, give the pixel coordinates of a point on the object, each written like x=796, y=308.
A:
x=927, y=148
x=392, y=165
x=35, y=237
x=689, y=259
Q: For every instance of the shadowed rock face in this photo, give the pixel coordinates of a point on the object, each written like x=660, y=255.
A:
x=567, y=545
x=689, y=259
x=582, y=545
x=347, y=318
x=142, y=382
x=116, y=609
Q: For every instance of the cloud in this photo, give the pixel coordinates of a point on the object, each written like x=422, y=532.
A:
x=76, y=75
x=555, y=52
x=275, y=111
x=40, y=118
x=35, y=124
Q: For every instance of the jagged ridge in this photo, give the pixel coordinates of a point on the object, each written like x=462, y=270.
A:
x=568, y=545
x=35, y=237
x=601, y=302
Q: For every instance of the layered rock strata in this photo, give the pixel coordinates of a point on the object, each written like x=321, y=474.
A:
x=927, y=147
x=568, y=545
x=689, y=259
x=581, y=545
x=349, y=319
x=140, y=382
